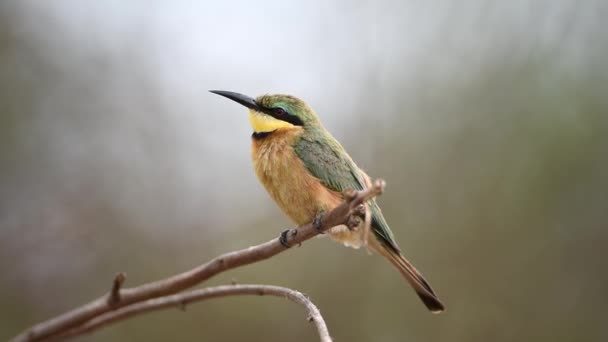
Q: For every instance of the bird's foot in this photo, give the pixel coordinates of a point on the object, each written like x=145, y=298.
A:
x=356, y=217
x=359, y=211
x=283, y=238
x=353, y=222
x=317, y=222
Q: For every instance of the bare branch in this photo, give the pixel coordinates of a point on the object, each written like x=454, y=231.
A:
x=182, y=299
x=62, y=323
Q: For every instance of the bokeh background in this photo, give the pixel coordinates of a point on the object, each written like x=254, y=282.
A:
x=487, y=119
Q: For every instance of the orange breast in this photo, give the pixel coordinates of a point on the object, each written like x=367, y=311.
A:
x=300, y=195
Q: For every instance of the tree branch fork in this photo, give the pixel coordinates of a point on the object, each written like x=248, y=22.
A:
x=120, y=303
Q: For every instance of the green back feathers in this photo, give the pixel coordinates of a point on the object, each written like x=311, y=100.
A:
x=327, y=160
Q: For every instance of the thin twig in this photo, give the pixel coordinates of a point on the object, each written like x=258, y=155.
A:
x=181, y=299
x=114, y=297
x=64, y=322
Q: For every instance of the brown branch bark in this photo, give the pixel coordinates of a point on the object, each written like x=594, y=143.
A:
x=181, y=299
x=118, y=298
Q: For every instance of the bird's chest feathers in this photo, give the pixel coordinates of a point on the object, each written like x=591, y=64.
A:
x=287, y=180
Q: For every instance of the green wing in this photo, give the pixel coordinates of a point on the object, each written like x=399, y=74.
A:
x=327, y=160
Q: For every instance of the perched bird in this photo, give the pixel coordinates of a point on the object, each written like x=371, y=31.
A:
x=305, y=170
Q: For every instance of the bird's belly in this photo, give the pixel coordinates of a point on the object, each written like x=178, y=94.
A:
x=297, y=192
x=300, y=195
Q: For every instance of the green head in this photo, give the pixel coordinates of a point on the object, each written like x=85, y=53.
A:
x=268, y=113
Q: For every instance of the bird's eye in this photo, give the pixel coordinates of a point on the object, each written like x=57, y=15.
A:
x=279, y=111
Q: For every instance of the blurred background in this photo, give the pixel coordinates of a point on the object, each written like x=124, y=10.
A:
x=487, y=120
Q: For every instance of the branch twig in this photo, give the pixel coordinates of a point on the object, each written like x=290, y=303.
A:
x=181, y=299
x=120, y=298
x=114, y=297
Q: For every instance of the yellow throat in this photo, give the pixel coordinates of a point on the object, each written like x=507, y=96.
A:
x=261, y=122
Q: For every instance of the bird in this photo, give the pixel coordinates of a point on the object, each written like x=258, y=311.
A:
x=306, y=171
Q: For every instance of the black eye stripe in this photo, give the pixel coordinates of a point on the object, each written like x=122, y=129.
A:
x=282, y=114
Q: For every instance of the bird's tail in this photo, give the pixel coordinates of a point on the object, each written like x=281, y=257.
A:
x=413, y=277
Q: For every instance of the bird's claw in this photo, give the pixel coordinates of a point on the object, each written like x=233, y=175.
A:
x=283, y=238
x=359, y=210
x=356, y=216
x=317, y=222
x=353, y=222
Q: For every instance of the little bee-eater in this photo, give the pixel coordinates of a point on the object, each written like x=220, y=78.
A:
x=305, y=170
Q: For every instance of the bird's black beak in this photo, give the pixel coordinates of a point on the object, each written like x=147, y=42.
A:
x=240, y=98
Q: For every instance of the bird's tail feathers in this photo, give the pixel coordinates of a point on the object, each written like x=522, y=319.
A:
x=413, y=277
